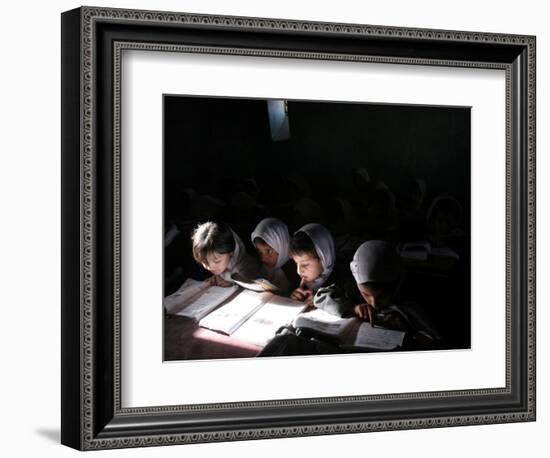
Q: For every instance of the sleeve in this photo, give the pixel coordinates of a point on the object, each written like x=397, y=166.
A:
x=333, y=300
x=419, y=321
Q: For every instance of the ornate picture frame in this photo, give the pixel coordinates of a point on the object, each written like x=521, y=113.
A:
x=93, y=416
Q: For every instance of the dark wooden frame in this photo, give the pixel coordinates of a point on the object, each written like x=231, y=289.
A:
x=92, y=39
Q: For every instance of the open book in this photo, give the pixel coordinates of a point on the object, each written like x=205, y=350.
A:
x=196, y=299
x=324, y=323
x=253, y=317
x=248, y=315
x=376, y=338
x=350, y=332
x=261, y=327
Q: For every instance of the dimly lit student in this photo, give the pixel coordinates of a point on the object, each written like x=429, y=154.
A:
x=312, y=249
x=445, y=220
x=340, y=219
x=376, y=269
x=381, y=212
x=220, y=251
x=412, y=224
x=270, y=238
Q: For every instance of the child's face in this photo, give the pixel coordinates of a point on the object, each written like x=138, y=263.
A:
x=216, y=262
x=307, y=266
x=377, y=297
x=267, y=254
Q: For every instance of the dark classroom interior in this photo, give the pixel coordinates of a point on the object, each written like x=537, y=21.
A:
x=399, y=173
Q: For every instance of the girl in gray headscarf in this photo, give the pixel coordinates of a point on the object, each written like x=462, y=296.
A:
x=312, y=249
x=221, y=251
x=270, y=238
x=377, y=271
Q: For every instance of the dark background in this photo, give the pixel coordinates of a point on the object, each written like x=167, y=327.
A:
x=220, y=162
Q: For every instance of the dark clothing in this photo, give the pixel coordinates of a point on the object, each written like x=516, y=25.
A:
x=290, y=344
x=340, y=299
x=337, y=299
x=336, y=296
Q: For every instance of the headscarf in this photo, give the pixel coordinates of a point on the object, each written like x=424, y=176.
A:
x=381, y=190
x=444, y=200
x=275, y=233
x=375, y=261
x=324, y=246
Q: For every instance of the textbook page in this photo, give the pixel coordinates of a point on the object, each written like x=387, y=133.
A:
x=207, y=301
x=378, y=338
x=262, y=326
x=323, y=322
x=235, y=312
x=185, y=294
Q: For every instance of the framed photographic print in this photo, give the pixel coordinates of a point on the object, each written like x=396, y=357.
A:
x=276, y=228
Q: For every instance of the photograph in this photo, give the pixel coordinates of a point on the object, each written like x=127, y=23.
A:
x=307, y=227
x=276, y=228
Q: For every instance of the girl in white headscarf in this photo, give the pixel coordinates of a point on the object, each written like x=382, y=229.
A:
x=270, y=238
x=312, y=249
x=221, y=251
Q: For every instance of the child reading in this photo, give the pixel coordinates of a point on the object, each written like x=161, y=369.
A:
x=312, y=249
x=270, y=238
x=220, y=251
x=376, y=269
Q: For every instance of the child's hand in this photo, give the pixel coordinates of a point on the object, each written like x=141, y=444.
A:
x=309, y=297
x=299, y=294
x=303, y=294
x=365, y=312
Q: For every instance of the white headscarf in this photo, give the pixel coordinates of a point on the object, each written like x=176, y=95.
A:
x=324, y=246
x=375, y=261
x=275, y=233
